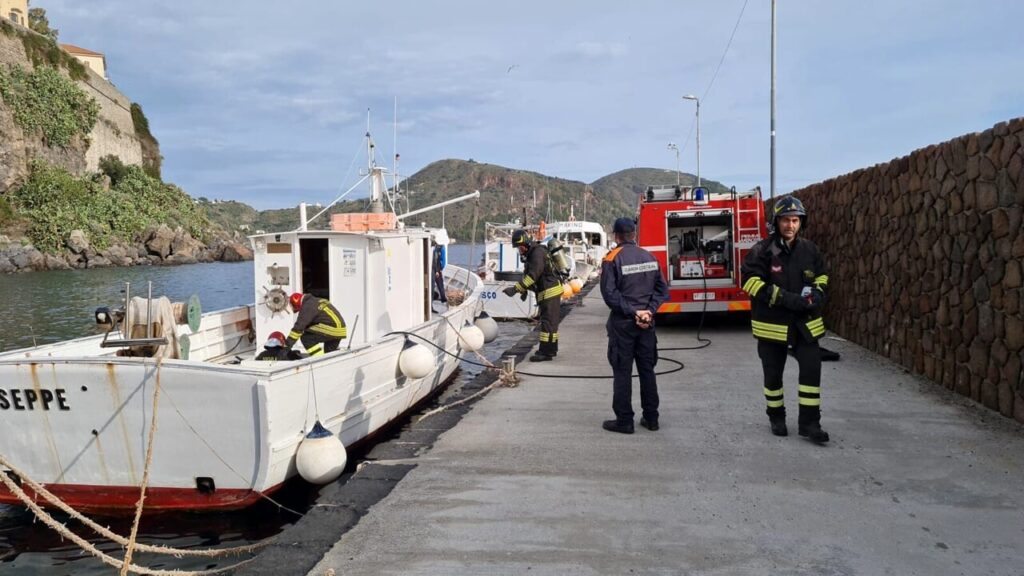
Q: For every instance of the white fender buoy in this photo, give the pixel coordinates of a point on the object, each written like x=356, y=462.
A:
x=321, y=457
x=415, y=361
x=472, y=338
x=488, y=326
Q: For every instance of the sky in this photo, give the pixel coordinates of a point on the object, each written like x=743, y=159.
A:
x=267, y=102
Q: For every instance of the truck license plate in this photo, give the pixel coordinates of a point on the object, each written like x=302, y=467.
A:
x=704, y=296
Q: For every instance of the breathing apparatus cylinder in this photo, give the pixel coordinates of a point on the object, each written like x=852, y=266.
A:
x=559, y=259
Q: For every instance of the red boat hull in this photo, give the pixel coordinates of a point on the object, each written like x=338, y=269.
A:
x=118, y=499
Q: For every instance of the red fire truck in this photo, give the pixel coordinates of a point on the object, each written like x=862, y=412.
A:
x=700, y=239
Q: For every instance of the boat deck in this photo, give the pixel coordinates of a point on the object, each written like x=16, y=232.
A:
x=916, y=479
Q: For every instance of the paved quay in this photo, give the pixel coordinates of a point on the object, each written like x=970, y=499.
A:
x=915, y=481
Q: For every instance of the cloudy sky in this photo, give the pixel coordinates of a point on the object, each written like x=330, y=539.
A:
x=266, y=102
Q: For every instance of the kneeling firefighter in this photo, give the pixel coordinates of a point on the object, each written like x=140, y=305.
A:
x=319, y=325
x=539, y=277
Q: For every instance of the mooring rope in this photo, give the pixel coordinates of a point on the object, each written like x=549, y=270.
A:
x=84, y=544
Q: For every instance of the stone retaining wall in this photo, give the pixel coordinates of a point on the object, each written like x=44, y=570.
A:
x=926, y=256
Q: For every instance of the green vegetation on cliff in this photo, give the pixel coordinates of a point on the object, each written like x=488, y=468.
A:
x=46, y=102
x=53, y=203
x=42, y=49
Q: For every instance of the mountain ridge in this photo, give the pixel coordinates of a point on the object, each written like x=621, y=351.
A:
x=506, y=194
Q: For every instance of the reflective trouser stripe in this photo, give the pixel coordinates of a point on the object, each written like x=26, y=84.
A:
x=810, y=395
x=316, y=349
x=816, y=327
x=773, y=398
x=768, y=331
x=329, y=330
x=548, y=337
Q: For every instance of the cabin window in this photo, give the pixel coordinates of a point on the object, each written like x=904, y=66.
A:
x=16, y=17
x=316, y=268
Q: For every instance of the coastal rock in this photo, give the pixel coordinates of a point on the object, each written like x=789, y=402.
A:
x=77, y=242
x=184, y=245
x=158, y=242
x=56, y=262
x=99, y=262
x=235, y=252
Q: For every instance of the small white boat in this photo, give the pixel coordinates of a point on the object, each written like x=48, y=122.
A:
x=76, y=416
x=500, y=268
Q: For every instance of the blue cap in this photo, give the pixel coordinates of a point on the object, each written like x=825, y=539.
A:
x=624, y=225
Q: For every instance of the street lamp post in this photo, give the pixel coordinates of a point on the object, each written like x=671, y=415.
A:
x=697, y=100
x=672, y=146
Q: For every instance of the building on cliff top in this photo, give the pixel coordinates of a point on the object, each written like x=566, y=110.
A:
x=15, y=10
x=94, y=60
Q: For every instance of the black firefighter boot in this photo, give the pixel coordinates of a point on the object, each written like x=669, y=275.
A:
x=810, y=425
x=777, y=420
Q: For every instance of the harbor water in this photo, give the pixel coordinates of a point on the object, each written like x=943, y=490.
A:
x=45, y=307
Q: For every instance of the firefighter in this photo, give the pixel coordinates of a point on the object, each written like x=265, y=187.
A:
x=786, y=279
x=319, y=324
x=633, y=288
x=274, y=349
x=539, y=277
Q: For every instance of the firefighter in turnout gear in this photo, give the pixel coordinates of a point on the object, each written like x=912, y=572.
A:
x=633, y=288
x=539, y=277
x=319, y=325
x=786, y=279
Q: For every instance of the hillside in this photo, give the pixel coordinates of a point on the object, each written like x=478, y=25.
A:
x=505, y=194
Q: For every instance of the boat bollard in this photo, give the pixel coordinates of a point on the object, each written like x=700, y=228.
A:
x=508, y=372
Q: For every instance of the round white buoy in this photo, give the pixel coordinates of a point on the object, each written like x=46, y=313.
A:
x=472, y=338
x=488, y=326
x=321, y=457
x=415, y=361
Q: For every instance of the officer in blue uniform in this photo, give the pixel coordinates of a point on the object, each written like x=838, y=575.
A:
x=633, y=288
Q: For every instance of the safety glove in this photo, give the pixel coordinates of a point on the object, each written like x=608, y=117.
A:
x=510, y=291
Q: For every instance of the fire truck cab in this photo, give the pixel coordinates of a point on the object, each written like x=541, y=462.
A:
x=700, y=239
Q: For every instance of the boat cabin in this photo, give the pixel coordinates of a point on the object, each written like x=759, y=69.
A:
x=379, y=280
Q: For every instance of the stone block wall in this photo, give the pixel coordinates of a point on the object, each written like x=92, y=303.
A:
x=114, y=132
x=926, y=257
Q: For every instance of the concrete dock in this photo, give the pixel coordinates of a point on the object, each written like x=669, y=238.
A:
x=915, y=481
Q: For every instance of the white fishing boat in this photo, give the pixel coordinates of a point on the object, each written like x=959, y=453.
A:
x=500, y=268
x=585, y=242
x=225, y=429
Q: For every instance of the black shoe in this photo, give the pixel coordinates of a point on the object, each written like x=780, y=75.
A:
x=538, y=357
x=813, y=432
x=616, y=426
x=651, y=425
x=779, y=427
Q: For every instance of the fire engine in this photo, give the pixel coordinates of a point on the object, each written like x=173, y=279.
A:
x=699, y=239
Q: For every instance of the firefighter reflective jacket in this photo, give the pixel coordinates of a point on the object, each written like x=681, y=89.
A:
x=319, y=316
x=775, y=275
x=538, y=276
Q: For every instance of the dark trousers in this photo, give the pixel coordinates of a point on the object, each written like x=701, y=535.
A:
x=317, y=344
x=773, y=361
x=628, y=344
x=550, y=314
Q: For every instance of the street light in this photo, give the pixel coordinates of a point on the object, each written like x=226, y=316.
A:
x=697, y=100
x=672, y=146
